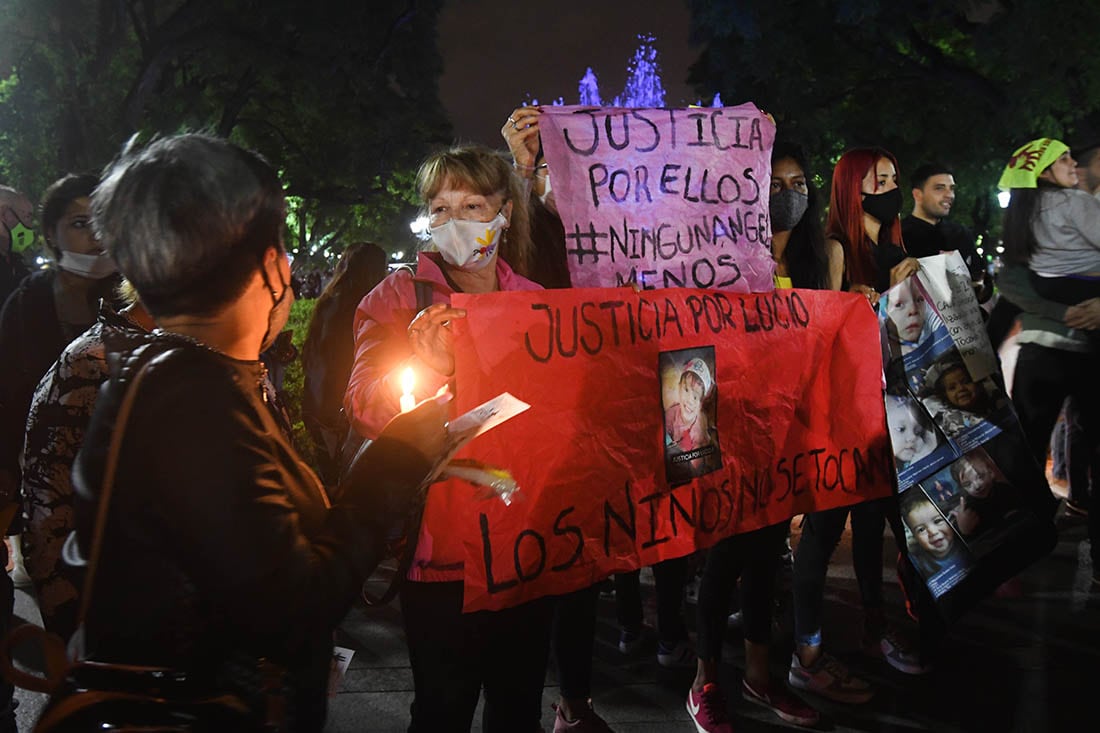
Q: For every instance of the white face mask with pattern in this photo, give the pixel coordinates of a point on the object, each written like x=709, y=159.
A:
x=469, y=245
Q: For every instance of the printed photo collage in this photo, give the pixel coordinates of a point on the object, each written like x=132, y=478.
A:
x=956, y=504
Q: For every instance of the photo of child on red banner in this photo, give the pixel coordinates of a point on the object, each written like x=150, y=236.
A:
x=689, y=399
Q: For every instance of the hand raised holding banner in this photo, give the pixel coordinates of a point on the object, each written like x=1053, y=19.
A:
x=521, y=132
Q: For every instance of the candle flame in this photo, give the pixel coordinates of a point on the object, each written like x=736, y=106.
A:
x=408, y=380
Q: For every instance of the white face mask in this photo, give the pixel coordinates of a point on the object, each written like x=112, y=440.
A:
x=468, y=245
x=94, y=267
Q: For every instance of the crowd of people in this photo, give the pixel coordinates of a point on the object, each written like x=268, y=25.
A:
x=219, y=552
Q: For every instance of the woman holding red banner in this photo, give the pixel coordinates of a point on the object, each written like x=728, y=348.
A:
x=478, y=217
x=863, y=220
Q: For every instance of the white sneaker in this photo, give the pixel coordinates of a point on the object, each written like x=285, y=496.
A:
x=19, y=577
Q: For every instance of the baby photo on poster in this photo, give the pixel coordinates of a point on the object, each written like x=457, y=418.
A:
x=689, y=401
x=935, y=548
x=920, y=448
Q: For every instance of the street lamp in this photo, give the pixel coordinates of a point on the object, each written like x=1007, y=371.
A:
x=1003, y=197
x=420, y=227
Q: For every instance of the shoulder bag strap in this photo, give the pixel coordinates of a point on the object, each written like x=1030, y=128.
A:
x=107, y=488
x=423, y=290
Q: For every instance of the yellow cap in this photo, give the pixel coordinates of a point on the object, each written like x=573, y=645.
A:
x=1029, y=161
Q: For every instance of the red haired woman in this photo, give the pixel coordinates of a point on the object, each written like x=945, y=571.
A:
x=863, y=219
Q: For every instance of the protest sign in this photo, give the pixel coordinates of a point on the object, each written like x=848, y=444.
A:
x=663, y=197
x=971, y=498
x=947, y=280
x=660, y=422
x=936, y=408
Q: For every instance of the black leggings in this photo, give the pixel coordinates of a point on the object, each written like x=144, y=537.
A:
x=669, y=576
x=755, y=557
x=820, y=535
x=574, y=638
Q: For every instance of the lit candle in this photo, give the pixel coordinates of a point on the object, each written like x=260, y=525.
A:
x=408, y=381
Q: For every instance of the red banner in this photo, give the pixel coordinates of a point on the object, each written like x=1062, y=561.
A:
x=660, y=422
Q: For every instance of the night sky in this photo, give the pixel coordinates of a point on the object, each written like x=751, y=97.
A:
x=497, y=53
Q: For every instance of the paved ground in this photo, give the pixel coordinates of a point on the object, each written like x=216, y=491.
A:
x=1014, y=664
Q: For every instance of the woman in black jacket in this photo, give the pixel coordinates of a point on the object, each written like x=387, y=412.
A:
x=221, y=553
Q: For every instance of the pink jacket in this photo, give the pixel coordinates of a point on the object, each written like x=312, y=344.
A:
x=382, y=352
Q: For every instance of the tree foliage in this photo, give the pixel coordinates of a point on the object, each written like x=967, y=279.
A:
x=965, y=82
x=340, y=95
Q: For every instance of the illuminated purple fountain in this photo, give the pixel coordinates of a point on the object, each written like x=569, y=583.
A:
x=643, y=82
x=643, y=79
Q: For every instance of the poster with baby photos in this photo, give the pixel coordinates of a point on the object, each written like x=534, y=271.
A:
x=971, y=497
x=936, y=409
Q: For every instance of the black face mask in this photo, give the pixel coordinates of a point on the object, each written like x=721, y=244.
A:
x=280, y=310
x=883, y=206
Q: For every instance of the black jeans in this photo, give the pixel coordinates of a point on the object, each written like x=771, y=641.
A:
x=755, y=557
x=1044, y=378
x=454, y=655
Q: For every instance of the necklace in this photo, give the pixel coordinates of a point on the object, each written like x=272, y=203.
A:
x=263, y=384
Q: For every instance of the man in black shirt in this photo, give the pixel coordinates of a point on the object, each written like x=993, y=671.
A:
x=926, y=231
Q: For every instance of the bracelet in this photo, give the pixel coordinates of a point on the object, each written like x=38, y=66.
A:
x=530, y=167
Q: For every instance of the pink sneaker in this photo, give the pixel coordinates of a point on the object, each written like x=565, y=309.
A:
x=776, y=698
x=707, y=709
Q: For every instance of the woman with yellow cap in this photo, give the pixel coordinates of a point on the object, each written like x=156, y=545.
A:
x=1052, y=248
x=1050, y=225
